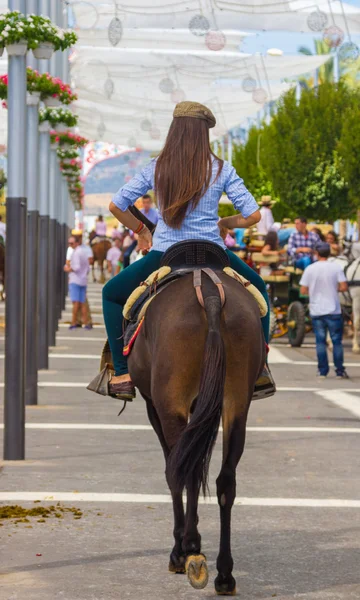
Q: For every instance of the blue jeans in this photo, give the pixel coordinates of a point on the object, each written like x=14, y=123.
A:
x=302, y=263
x=333, y=324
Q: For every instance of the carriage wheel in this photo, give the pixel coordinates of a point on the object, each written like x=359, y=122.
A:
x=296, y=323
x=272, y=324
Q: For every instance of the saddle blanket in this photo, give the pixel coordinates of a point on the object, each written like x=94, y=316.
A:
x=98, y=239
x=146, y=292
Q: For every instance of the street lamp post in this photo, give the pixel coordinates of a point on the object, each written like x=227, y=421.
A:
x=14, y=398
x=32, y=178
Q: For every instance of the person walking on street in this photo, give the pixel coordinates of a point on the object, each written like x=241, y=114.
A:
x=267, y=220
x=148, y=210
x=78, y=270
x=302, y=244
x=323, y=281
x=113, y=257
x=2, y=229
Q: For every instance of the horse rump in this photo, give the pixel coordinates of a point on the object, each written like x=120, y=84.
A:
x=189, y=460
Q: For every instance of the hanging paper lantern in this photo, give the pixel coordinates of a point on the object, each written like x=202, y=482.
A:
x=109, y=88
x=333, y=36
x=249, y=84
x=317, y=20
x=199, y=25
x=177, y=96
x=131, y=143
x=349, y=52
x=215, y=40
x=259, y=95
x=166, y=85
x=115, y=31
x=155, y=133
x=145, y=125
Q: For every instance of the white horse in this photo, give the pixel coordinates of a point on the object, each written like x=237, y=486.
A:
x=350, y=262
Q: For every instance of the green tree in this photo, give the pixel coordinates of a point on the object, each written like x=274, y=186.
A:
x=298, y=152
x=326, y=71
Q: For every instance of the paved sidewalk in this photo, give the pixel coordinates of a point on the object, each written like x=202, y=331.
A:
x=295, y=529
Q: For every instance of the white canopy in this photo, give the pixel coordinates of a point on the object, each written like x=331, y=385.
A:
x=289, y=15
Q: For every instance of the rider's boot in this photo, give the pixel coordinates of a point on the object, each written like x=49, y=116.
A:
x=265, y=385
x=124, y=390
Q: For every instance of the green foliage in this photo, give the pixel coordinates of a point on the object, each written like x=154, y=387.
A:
x=307, y=157
x=226, y=210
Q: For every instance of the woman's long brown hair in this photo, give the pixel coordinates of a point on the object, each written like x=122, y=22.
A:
x=184, y=169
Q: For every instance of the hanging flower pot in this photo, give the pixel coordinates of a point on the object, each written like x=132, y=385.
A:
x=32, y=98
x=44, y=127
x=61, y=127
x=17, y=49
x=52, y=102
x=44, y=51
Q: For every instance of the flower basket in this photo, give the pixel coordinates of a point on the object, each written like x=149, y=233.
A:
x=44, y=50
x=17, y=49
x=32, y=98
x=52, y=102
x=37, y=32
x=44, y=126
x=61, y=127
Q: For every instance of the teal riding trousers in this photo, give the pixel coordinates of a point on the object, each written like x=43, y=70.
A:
x=118, y=289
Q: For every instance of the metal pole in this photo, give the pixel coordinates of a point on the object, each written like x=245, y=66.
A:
x=298, y=93
x=222, y=145
x=52, y=251
x=32, y=170
x=336, y=67
x=14, y=398
x=44, y=156
x=230, y=147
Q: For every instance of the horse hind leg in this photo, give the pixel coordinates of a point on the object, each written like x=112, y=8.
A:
x=173, y=430
x=234, y=442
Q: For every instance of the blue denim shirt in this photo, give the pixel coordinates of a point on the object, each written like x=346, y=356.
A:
x=200, y=223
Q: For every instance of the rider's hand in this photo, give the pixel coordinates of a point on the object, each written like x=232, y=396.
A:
x=223, y=230
x=145, y=239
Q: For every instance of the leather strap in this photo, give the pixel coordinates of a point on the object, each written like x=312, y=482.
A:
x=197, y=286
x=215, y=279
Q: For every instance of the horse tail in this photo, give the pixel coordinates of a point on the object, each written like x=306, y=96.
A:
x=189, y=460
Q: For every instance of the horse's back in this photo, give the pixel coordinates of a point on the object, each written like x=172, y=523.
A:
x=176, y=327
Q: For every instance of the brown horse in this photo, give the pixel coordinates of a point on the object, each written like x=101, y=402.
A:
x=194, y=366
x=100, y=250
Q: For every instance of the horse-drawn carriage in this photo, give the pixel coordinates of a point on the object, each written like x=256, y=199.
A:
x=289, y=310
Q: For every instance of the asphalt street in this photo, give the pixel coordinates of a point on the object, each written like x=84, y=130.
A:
x=296, y=523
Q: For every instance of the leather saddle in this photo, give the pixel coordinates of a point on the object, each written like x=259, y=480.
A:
x=192, y=254
x=183, y=258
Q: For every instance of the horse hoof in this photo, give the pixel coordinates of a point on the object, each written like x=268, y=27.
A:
x=197, y=571
x=225, y=587
x=177, y=564
x=356, y=350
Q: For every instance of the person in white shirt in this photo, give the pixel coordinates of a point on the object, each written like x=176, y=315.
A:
x=267, y=220
x=2, y=229
x=113, y=257
x=322, y=281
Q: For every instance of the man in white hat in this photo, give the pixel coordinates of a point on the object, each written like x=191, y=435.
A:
x=267, y=219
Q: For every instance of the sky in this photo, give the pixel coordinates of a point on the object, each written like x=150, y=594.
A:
x=288, y=42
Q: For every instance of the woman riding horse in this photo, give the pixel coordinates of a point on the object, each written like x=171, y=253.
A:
x=189, y=180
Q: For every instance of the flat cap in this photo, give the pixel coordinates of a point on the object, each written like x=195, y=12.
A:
x=195, y=110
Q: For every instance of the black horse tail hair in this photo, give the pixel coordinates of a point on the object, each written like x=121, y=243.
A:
x=189, y=460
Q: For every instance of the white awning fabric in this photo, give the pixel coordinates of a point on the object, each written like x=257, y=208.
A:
x=289, y=15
